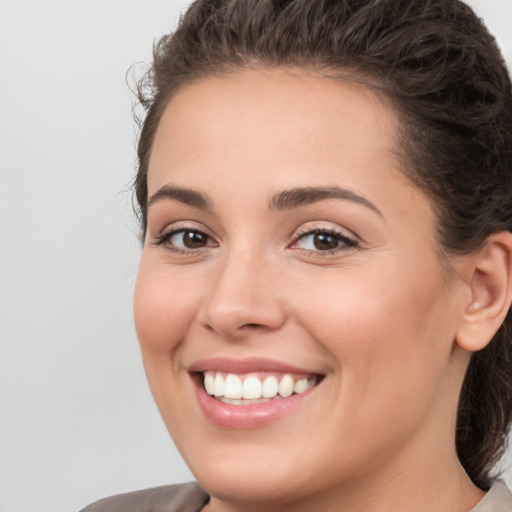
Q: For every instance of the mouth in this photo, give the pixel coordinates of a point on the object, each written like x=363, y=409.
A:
x=250, y=393
x=255, y=388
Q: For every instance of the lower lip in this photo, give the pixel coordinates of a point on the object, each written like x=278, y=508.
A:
x=243, y=417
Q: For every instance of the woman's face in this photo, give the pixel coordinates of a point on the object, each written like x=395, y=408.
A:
x=286, y=253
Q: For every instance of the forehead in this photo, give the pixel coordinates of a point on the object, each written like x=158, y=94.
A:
x=261, y=117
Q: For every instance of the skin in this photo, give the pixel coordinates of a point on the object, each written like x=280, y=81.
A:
x=379, y=320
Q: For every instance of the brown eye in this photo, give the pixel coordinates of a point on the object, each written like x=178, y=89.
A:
x=325, y=241
x=194, y=239
x=186, y=239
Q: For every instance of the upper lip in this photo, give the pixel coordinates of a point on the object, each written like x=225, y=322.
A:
x=247, y=365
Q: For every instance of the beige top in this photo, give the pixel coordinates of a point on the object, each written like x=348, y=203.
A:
x=191, y=498
x=498, y=499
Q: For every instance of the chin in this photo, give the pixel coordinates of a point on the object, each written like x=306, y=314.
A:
x=258, y=482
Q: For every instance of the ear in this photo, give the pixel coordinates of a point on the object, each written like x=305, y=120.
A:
x=491, y=293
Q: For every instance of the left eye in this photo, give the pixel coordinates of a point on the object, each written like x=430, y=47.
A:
x=323, y=241
x=188, y=239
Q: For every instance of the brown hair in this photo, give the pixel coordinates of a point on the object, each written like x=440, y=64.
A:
x=442, y=69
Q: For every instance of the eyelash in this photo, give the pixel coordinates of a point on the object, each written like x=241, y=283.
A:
x=344, y=241
x=163, y=239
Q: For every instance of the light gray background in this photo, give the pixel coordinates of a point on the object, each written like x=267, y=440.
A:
x=76, y=418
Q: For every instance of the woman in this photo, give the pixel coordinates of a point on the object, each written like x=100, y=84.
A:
x=323, y=299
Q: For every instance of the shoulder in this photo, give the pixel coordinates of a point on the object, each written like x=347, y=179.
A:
x=498, y=499
x=169, y=498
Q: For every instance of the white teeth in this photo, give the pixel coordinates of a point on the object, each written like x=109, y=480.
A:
x=209, y=383
x=304, y=384
x=247, y=389
x=252, y=388
x=286, y=386
x=270, y=387
x=300, y=386
x=233, y=386
x=218, y=385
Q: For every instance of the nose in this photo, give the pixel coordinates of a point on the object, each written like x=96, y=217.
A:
x=244, y=299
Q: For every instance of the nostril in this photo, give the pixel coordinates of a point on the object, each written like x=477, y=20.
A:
x=251, y=326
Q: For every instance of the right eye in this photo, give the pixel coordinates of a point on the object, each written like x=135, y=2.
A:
x=185, y=240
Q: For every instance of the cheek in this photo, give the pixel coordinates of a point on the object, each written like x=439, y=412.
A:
x=373, y=321
x=165, y=304
x=390, y=340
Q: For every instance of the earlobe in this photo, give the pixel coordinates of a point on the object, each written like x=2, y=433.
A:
x=491, y=293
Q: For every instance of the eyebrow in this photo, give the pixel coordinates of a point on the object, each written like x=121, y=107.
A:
x=296, y=197
x=183, y=195
x=285, y=200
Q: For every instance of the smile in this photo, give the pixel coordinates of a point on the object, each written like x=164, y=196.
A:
x=251, y=388
x=251, y=393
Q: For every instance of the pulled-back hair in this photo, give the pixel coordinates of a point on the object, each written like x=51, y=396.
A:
x=438, y=64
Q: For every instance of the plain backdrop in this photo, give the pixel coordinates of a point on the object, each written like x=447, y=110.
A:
x=77, y=421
